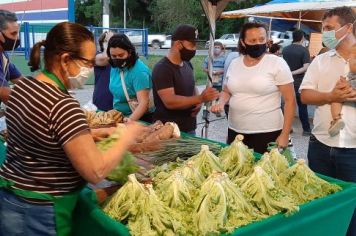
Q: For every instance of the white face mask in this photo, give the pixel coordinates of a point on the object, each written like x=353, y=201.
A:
x=81, y=78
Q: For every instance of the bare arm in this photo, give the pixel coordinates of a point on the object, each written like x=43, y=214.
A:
x=223, y=99
x=92, y=164
x=287, y=92
x=4, y=94
x=342, y=92
x=173, y=101
x=301, y=70
x=143, y=102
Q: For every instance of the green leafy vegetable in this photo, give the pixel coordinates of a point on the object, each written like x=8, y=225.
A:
x=206, y=162
x=152, y=217
x=266, y=164
x=237, y=159
x=265, y=196
x=176, y=191
x=279, y=162
x=192, y=174
x=221, y=206
x=182, y=148
x=304, y=184
x=128, y=163
x=127, y=166
x=122, y=202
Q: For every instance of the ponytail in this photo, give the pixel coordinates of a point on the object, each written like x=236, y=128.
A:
x=35, y=57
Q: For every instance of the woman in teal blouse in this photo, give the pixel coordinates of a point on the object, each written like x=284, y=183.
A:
x=137, y=77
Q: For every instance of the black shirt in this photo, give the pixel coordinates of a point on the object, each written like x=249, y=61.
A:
x=102, y=97
x=168, y=75
x=296, y=56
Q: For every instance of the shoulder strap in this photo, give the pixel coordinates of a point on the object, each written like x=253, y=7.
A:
x=124, y=86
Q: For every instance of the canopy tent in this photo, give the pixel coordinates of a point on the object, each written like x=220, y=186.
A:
x=212, y=10
x=306, y=11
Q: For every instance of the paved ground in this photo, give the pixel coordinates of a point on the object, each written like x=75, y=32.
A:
x=218, y=125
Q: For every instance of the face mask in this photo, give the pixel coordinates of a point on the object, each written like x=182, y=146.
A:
x=329, y=39
x=186, y=54
x=256, y=50
x=118, y=63
x=8, y=45
x=217, y=51
x=81, y=78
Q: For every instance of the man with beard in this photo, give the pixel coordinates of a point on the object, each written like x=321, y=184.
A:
x=9, y=33
x=175, y=95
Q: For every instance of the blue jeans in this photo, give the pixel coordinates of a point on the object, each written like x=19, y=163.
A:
x=338, y=163
x=18, y=217
x=302, y=111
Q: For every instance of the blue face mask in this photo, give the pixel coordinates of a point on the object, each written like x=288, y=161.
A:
x=329, y=39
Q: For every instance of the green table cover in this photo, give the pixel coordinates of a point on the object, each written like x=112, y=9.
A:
x=326, y=216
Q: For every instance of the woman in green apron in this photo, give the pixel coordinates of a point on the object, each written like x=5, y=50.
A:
x=51, y=153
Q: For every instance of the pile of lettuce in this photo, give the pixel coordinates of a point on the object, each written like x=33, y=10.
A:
x=128, y=163
x=210, y=195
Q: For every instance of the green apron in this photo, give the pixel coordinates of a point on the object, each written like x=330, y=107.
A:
x=63, y=205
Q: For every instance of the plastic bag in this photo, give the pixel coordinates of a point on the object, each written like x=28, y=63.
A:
x=89, y=106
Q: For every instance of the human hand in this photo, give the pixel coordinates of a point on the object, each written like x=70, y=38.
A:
x=133, y=130
x=342, y=91
x=217, y=108
x=209, y=94
x=196, y=110
x=282, y=140
x=101, y=133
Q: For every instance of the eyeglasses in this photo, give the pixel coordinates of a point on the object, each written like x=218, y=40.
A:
x=88, y=62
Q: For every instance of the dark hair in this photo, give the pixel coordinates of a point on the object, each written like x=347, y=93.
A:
x=219, y=44
x=5, y=17
x=251, y=25
x=298, y=35
x=64, y=37
x=274, y=48
x=123, y=42
x=101, y=40
x=346, y=16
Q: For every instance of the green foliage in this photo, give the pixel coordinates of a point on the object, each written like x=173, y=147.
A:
x=304, y=184
x=221, y=206
x=206, y=162
x=128, y=163
x=160, y=16
x=237, y=159
x=265, y=196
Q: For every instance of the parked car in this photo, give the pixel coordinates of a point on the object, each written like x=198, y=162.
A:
x=168, y=42
x=228, y=40
x=154, y=40
x=286, y=38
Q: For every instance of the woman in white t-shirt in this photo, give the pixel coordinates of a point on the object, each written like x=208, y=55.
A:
x=255, y=83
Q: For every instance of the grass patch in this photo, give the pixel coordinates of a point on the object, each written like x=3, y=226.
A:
x=197, y=61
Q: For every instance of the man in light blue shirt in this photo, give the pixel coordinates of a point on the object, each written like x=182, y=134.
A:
x=218, y=65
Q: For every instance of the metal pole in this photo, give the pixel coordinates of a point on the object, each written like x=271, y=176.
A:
x=106, y=13
x=270, y=28
x=124, y=14
x=300, y=19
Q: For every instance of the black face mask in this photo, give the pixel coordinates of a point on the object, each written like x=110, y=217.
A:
x=8, y=45
x=186, y=54
x=256, y=50
x=118, y=63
